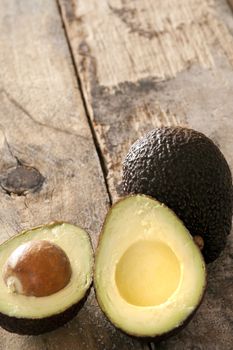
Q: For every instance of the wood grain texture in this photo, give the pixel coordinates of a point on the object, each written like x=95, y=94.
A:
x=94, y=27
x=43, y=126
x=231, y=3
x=134, y=39
x=148, y=63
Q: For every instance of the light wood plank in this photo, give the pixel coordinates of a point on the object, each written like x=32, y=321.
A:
x=135, y=39
x=43, y=125
x=148, y=63
x=119, y=64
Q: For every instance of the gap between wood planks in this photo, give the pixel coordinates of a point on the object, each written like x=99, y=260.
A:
x=149, y=346
x=192, y=120
x=95, y=139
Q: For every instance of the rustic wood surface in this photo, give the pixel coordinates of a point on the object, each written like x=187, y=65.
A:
x=43, y=126
x=73, y=99
x=149, y=63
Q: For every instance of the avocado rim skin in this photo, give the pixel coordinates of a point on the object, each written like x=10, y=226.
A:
x=37, y=326
x=160, y=337
x=157, y=337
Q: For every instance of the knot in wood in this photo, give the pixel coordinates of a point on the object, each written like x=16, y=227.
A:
x=21, y=180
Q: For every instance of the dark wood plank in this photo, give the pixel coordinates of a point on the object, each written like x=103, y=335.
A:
x=148, y=63
x=43, y=126
x=231, y=3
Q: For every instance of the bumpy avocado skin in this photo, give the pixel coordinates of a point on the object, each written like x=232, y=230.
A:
x=29, y=326
x=185, y=170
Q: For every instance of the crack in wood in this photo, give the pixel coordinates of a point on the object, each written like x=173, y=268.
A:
x=8, y=145
x=108, y=54
x=94, y=136
x=25, y=112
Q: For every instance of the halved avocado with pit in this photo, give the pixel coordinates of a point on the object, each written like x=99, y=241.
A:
x=45, y=274
x=149, y=274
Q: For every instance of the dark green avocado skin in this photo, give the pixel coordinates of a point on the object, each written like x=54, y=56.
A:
x=185, y=170
x=27, y=326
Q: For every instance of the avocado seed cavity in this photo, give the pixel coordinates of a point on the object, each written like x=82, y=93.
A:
x=37, y=268
x=148, y=273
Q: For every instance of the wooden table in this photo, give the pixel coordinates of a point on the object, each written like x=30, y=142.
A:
x=79, y=82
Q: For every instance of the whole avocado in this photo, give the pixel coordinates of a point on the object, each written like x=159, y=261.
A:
x=184, y=169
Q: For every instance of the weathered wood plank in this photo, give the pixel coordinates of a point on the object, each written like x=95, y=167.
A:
x=149, y=63
x=118, y=64
x=231, y=3
x=43, y=126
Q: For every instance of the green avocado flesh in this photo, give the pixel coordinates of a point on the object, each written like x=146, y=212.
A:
x=24, y=310
x=149, y=274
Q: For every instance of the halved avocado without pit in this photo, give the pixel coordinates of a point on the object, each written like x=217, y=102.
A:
x=45, y=274
x=149, y=274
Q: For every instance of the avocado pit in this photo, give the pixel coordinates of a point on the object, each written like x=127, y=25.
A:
x=37, y=268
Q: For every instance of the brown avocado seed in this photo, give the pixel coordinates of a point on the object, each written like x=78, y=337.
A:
x=37, y=268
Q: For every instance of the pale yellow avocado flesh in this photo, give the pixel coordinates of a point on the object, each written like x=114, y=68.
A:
x=76, y=244
x=149, y=274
